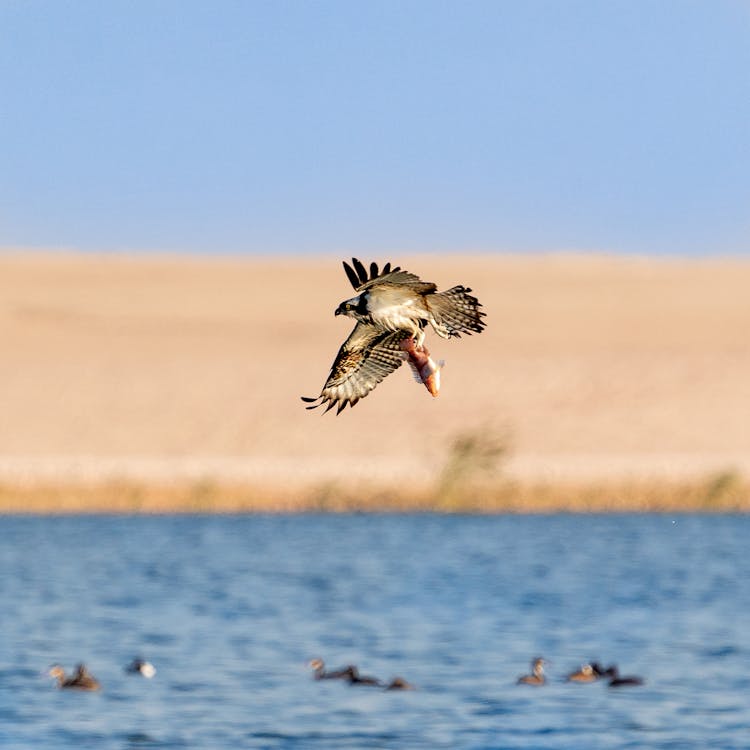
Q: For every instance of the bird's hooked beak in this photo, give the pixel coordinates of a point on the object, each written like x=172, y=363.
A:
x=341, y=309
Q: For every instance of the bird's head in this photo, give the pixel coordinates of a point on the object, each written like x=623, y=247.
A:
x=353, y=307
x=56, y=671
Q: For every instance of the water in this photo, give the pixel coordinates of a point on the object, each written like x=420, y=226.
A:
x=230, y=609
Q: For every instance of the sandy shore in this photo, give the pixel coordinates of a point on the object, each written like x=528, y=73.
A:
x=167, y=369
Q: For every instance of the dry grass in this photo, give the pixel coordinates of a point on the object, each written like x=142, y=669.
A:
x=722, y=492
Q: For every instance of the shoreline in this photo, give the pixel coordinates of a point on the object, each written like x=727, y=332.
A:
x=724, y=491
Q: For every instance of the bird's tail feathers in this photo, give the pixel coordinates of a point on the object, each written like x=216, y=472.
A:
x=455, y=311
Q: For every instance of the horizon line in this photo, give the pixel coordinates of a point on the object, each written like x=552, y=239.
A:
x=155, y=252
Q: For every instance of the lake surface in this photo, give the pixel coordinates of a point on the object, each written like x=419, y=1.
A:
x=231, y=608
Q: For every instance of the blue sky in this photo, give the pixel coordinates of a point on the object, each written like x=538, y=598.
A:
x=333, y=127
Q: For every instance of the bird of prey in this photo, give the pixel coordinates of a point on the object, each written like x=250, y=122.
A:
x=392, y=309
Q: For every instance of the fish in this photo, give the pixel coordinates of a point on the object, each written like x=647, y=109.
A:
x=425, y=369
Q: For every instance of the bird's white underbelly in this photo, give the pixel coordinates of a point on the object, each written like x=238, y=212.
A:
x=397, y=317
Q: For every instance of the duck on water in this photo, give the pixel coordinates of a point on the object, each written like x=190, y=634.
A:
x=615, y=680
x=320, y=673
x=593, y=671
x=397, y=683
x=351, y=674
x=589, y=672
x=537, y=674
x=81, y=679
x=142, y=667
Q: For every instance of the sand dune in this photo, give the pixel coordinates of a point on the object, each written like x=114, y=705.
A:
x=591, y=367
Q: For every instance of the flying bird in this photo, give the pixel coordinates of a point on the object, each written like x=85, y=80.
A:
x=392, y=309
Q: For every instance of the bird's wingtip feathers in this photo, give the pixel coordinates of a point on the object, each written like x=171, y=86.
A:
x=351, y=275
x=359, y=275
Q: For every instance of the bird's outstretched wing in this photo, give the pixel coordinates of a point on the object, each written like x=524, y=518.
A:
x=364, y=359
x=361, y=280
